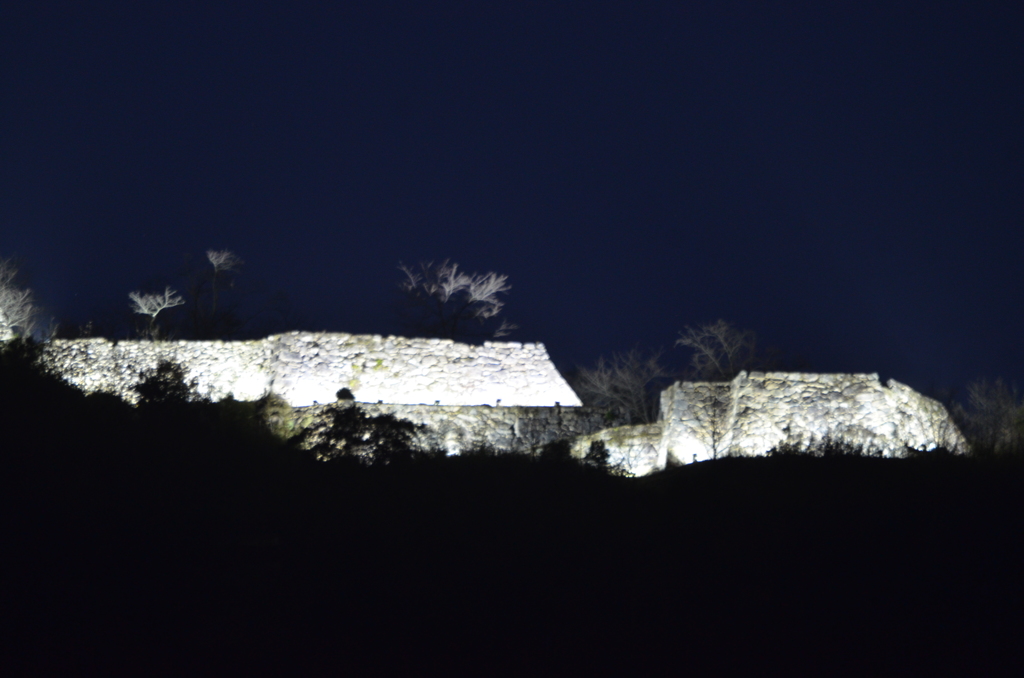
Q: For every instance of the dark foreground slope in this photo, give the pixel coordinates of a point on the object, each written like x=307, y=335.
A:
x=182, y=540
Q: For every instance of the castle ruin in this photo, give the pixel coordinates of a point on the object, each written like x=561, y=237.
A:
x=509, y=396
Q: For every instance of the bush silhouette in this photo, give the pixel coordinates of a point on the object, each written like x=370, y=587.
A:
x=558, y=451
x=826, y=447
x=350, y=432
x=597, y=455
x=166, y=385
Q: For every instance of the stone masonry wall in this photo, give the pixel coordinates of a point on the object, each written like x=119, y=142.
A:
x=757, y=412
x=312, y=367
x=305, y=368
x=238, y=368
x=510, y=397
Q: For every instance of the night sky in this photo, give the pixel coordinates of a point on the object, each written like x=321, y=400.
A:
x=843, y=178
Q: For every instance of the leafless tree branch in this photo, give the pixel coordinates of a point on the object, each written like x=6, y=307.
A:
x=720, y=351
x=207, y=317
x=224, y=260
x=505, y=329
x=151, y=304
x=446, y=297
x=626, y=384
x=17, y=308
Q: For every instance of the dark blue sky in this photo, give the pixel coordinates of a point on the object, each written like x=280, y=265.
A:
x=844, y=178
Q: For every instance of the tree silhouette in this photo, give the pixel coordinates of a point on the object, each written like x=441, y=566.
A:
x=441, y=301
x=152, y=304
x=626, y=384
x=993, y=420
x=720, y=351
x=350, y=432
x=17, y=309
x=166, y=384
x=209, y=317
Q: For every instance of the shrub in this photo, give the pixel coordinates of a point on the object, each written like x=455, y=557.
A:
x=826, y=447
x=276, y=414
x=166, y=385
x=350, y=432
x=557, y=451
x=597, y=455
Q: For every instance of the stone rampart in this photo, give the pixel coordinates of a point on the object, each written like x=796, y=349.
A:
x=759, y=411
x=220, y=368
x=509, y=396
x=312, y=367
x=306, y=368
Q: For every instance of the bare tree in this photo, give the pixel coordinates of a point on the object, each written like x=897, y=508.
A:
x=994, y=418
x=17, y=307
x=627, y=384
x=224, y=260
x=208, y=316
x=152, y=304
x=442, y=298
x=713, y=421
x=720, y=351
x=219, y=307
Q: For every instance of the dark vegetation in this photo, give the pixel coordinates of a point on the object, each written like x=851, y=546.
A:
x=183, y=537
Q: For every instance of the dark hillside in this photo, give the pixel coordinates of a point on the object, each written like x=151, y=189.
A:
x=183, y=538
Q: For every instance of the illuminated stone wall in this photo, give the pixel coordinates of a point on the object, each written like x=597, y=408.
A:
x=239, y=368
x=504, y=395
x=312, y=367
x=758, y=411
x=304, y=368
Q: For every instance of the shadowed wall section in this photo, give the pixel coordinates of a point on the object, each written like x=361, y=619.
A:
x=462, y=428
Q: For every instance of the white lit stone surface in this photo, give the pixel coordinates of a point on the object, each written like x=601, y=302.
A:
x=748, y=416
x=304, y=368
x=758, y=411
